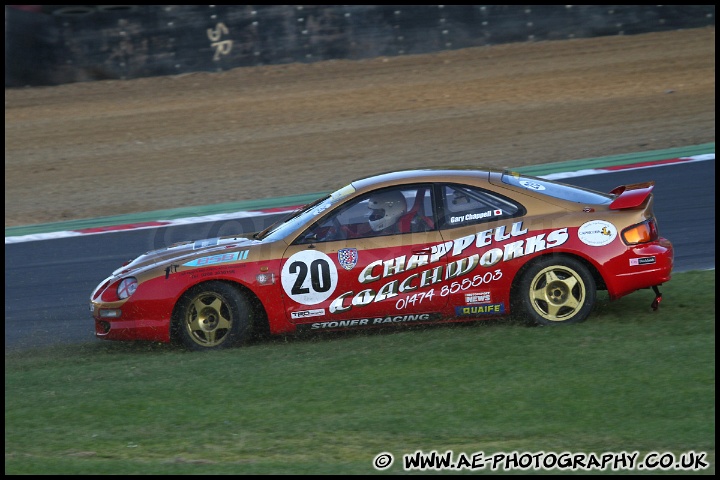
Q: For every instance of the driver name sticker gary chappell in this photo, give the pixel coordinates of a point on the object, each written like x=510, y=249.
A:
x=309, y=277
x=597, y=233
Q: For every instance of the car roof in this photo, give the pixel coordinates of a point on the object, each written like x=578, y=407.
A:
x=431, y=174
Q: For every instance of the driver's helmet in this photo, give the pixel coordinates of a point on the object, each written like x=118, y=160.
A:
x=386, y=208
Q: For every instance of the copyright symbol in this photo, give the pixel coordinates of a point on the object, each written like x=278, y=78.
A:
x=382, y=461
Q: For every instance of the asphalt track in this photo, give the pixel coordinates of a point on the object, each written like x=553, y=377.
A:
x=48, y=281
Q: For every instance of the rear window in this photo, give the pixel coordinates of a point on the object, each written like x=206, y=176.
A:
x=559, y=190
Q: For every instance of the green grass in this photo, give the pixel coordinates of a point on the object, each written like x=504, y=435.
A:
x=629, y=379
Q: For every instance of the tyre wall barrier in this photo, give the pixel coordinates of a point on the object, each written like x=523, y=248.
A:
x=52, y=45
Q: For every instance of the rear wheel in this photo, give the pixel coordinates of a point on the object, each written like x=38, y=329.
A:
x=213, y=315
x=557, y=291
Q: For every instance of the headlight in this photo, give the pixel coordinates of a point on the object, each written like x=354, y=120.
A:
x=126, y=287
x=113, y=290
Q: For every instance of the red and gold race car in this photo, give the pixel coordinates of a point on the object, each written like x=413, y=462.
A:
x=403, y=248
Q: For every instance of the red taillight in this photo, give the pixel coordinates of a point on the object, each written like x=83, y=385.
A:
x=641, y=233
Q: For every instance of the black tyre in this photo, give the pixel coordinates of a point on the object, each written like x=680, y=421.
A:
x=213, y=315
x=557, y=291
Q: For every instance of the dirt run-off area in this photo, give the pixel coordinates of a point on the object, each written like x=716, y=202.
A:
x=103, y=148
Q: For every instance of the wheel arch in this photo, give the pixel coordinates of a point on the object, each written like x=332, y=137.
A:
x=599, y=280
x=259, y=319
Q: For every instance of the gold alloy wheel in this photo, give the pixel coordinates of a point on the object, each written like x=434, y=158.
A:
x=557, y=293
x=208, y=320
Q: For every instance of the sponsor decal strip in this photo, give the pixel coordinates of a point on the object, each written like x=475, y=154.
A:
x=219, y=258
x=484, y=309
x=474, y=298
x=319, y=312
x=371, y=322
x=634, y=262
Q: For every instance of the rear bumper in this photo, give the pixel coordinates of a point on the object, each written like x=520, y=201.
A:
x=646, y=266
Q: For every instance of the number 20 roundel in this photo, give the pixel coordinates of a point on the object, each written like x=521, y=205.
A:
x=309, y=277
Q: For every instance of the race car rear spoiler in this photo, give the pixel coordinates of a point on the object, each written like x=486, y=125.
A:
x=631, y=196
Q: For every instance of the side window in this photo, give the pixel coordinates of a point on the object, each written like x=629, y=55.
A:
x=466, y=205
x=388, y=211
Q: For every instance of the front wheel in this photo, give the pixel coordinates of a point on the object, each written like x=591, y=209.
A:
x=213, y=315
x=557, y=291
